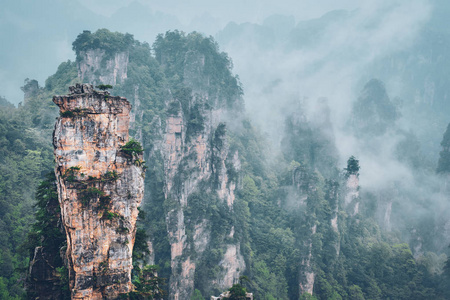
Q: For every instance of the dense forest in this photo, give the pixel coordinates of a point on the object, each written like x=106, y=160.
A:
x=303, y=225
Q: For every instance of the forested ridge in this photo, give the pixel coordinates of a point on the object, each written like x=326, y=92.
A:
x=286, y=208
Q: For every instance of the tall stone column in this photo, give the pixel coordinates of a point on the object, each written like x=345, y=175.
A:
x=100, y=187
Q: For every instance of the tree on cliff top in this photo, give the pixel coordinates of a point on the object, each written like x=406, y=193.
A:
x=104, y=87
x=374, y=112
x=110, y=42
x=352, y=167
x=195, y=61
x=237, y=291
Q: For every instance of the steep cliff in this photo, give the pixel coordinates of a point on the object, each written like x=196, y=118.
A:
x=216, y=206
x=100, y=180
x=309, y=144
x=96, y=67
x=102, y=58
x=181, y=101
x=373, y=114
x=200, y=177
x=196, y=165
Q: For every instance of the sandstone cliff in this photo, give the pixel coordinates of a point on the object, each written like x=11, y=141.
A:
x=100, y=187
x=304, y=185
x=97, y=67
x=198, y=164
x=193, y=173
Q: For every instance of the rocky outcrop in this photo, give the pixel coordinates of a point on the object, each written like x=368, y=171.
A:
x=332, y=196
x=100, y=187
x=97, y=67
x=304, y=186
x=198, y=161
x=307, y=275
x=373, y=114
x=232, y=264
x=30, y=89
x=351, y=193
x=192, y=152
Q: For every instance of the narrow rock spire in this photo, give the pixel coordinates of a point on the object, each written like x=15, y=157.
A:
x=100, y=187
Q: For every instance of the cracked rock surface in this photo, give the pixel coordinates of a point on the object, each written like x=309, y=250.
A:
x=100, y=188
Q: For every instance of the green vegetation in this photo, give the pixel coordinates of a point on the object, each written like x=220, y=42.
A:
x=174, y=108
x=110, y=42
x=147, y=284
x=70, y=173
x=110, y=176
x=373, y=113
x=196, y=123
x=308, y=144
x=237, y=292
x=67, y=114
x=197, y=295
x=47, y=233
x=122, y=230
x=352, y=167
x=89, y=194
x=104, y=87
x=108, y=215
x=277, y=203
x=132, y=148
x=58, y=83
x=25, y=158
x=73, y=113
x=105, y=202
x=180, y=55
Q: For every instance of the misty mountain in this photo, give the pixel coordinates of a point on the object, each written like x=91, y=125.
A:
x=289, y=157
x=373, y=113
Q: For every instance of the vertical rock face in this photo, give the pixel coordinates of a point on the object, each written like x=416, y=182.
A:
x=307, y=275
x=332, y=196
x=185, y=137
x=304, y=186
x=351, y=196
x=30, y=89
x=100, y=188
x=373, y=113
x=196, y=162
x=200, y=180
x=97, y=67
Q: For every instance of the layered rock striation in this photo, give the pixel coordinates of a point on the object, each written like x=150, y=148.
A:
x=100, y=187
x=97, y=67
x=196, y=162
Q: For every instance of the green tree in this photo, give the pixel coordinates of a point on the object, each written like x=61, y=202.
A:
x=197, y=295
x=237, y=292
x=148, y=284
x=307, y=296
x=352, y=166
x=104, y=87
x=355, y=293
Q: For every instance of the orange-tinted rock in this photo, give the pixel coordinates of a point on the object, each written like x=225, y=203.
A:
x=100, y=189
x=205, y=163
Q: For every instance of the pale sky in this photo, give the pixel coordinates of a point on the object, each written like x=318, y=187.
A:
x=37, y=35
x=231, y=10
